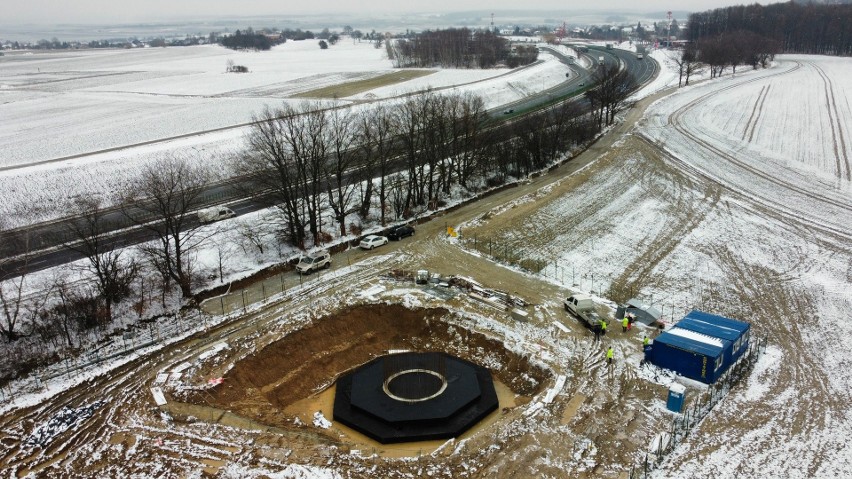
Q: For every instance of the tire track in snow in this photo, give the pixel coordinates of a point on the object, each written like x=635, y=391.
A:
x=841, y=154
x=751, y=125
x=779, y=204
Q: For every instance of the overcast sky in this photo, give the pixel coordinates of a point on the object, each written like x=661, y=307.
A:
x=133, y=11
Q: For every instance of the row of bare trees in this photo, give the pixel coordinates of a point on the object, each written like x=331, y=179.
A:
x=403, y=157
x=726, y=50
x=458, y=48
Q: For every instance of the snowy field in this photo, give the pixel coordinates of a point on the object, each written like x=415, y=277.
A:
x=108, y=112
x=746, y=213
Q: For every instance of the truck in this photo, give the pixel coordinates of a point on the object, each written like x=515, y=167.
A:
x=583, y=307
x=640, y=56
x=209, y=215
x=600, y=59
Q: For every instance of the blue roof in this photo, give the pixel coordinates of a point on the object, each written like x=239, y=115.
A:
x=687, y=344
x=740, y=326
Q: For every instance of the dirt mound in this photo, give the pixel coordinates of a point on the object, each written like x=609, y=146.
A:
x=308, y=361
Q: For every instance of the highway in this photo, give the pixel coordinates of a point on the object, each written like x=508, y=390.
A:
x=44, y=242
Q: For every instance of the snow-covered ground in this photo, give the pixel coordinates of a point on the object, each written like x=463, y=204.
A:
x=79, y=104
x=746, y=214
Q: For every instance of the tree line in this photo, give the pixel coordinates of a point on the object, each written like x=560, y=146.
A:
x=812, y=28
x=458, y=48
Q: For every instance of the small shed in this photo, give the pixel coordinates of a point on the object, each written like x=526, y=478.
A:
x=644, y=313
x=701, y=346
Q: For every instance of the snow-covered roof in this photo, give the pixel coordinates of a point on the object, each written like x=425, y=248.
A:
x=701, y=338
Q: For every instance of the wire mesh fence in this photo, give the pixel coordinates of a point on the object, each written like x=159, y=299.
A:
x=686, y=422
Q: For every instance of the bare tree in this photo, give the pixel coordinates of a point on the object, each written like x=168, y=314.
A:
x=162, y=199
x=377, y=147
x=613, y=86
x=112, y=271
x=286, y=155
x=468, y=136
x=341, y=138
x=13, y=303
x=687, y=64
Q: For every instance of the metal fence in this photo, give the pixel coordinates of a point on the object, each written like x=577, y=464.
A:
x=686, y=422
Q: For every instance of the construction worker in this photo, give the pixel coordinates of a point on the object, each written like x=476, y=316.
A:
x=624, y=323
x=603, y=327
x=645, y=342
x=598, y=332
x=609, y=353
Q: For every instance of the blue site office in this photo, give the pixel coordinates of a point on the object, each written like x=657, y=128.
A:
x=701, y=346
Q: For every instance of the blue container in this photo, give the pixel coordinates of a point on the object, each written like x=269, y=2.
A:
x=676, y=395
x=689, y=354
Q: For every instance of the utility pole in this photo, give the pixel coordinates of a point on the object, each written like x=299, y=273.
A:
x=669, y=30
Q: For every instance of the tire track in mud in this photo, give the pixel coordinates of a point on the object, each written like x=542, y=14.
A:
x=841, y=153
x=125, y=390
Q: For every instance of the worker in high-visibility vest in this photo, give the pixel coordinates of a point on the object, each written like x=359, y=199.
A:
x=624, y=323
x=603, y=327
x=646, y=342
x=609, y=353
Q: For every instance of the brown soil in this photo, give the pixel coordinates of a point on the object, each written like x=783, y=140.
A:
x=307, y=361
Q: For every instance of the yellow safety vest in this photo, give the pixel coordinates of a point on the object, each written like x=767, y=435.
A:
x=609, y=353
x=624, y=322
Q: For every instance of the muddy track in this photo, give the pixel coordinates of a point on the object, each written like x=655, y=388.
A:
x=123, y=390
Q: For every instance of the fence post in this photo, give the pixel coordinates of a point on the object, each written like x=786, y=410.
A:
x=222, y=303
x=263, y=289
x=243, y=294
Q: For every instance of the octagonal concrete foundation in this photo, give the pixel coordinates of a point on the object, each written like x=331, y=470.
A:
x=443, y=397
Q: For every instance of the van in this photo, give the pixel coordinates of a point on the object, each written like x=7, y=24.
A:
x=209, y=215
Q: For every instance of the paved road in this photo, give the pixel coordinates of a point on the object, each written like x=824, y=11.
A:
x=44, y=241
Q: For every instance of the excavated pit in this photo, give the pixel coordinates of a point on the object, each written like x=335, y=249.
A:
x=267, y=385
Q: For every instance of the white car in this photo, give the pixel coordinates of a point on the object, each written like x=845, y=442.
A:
x=372, y=241
x=313, y=262
x=209, y=215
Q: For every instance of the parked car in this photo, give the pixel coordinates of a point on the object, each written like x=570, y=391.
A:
x=209, y=215
x=313, y=262
x=373, y=241
x=400, y=232
x=508, y=111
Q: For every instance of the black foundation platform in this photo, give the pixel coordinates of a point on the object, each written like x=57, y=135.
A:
x=414, y=397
